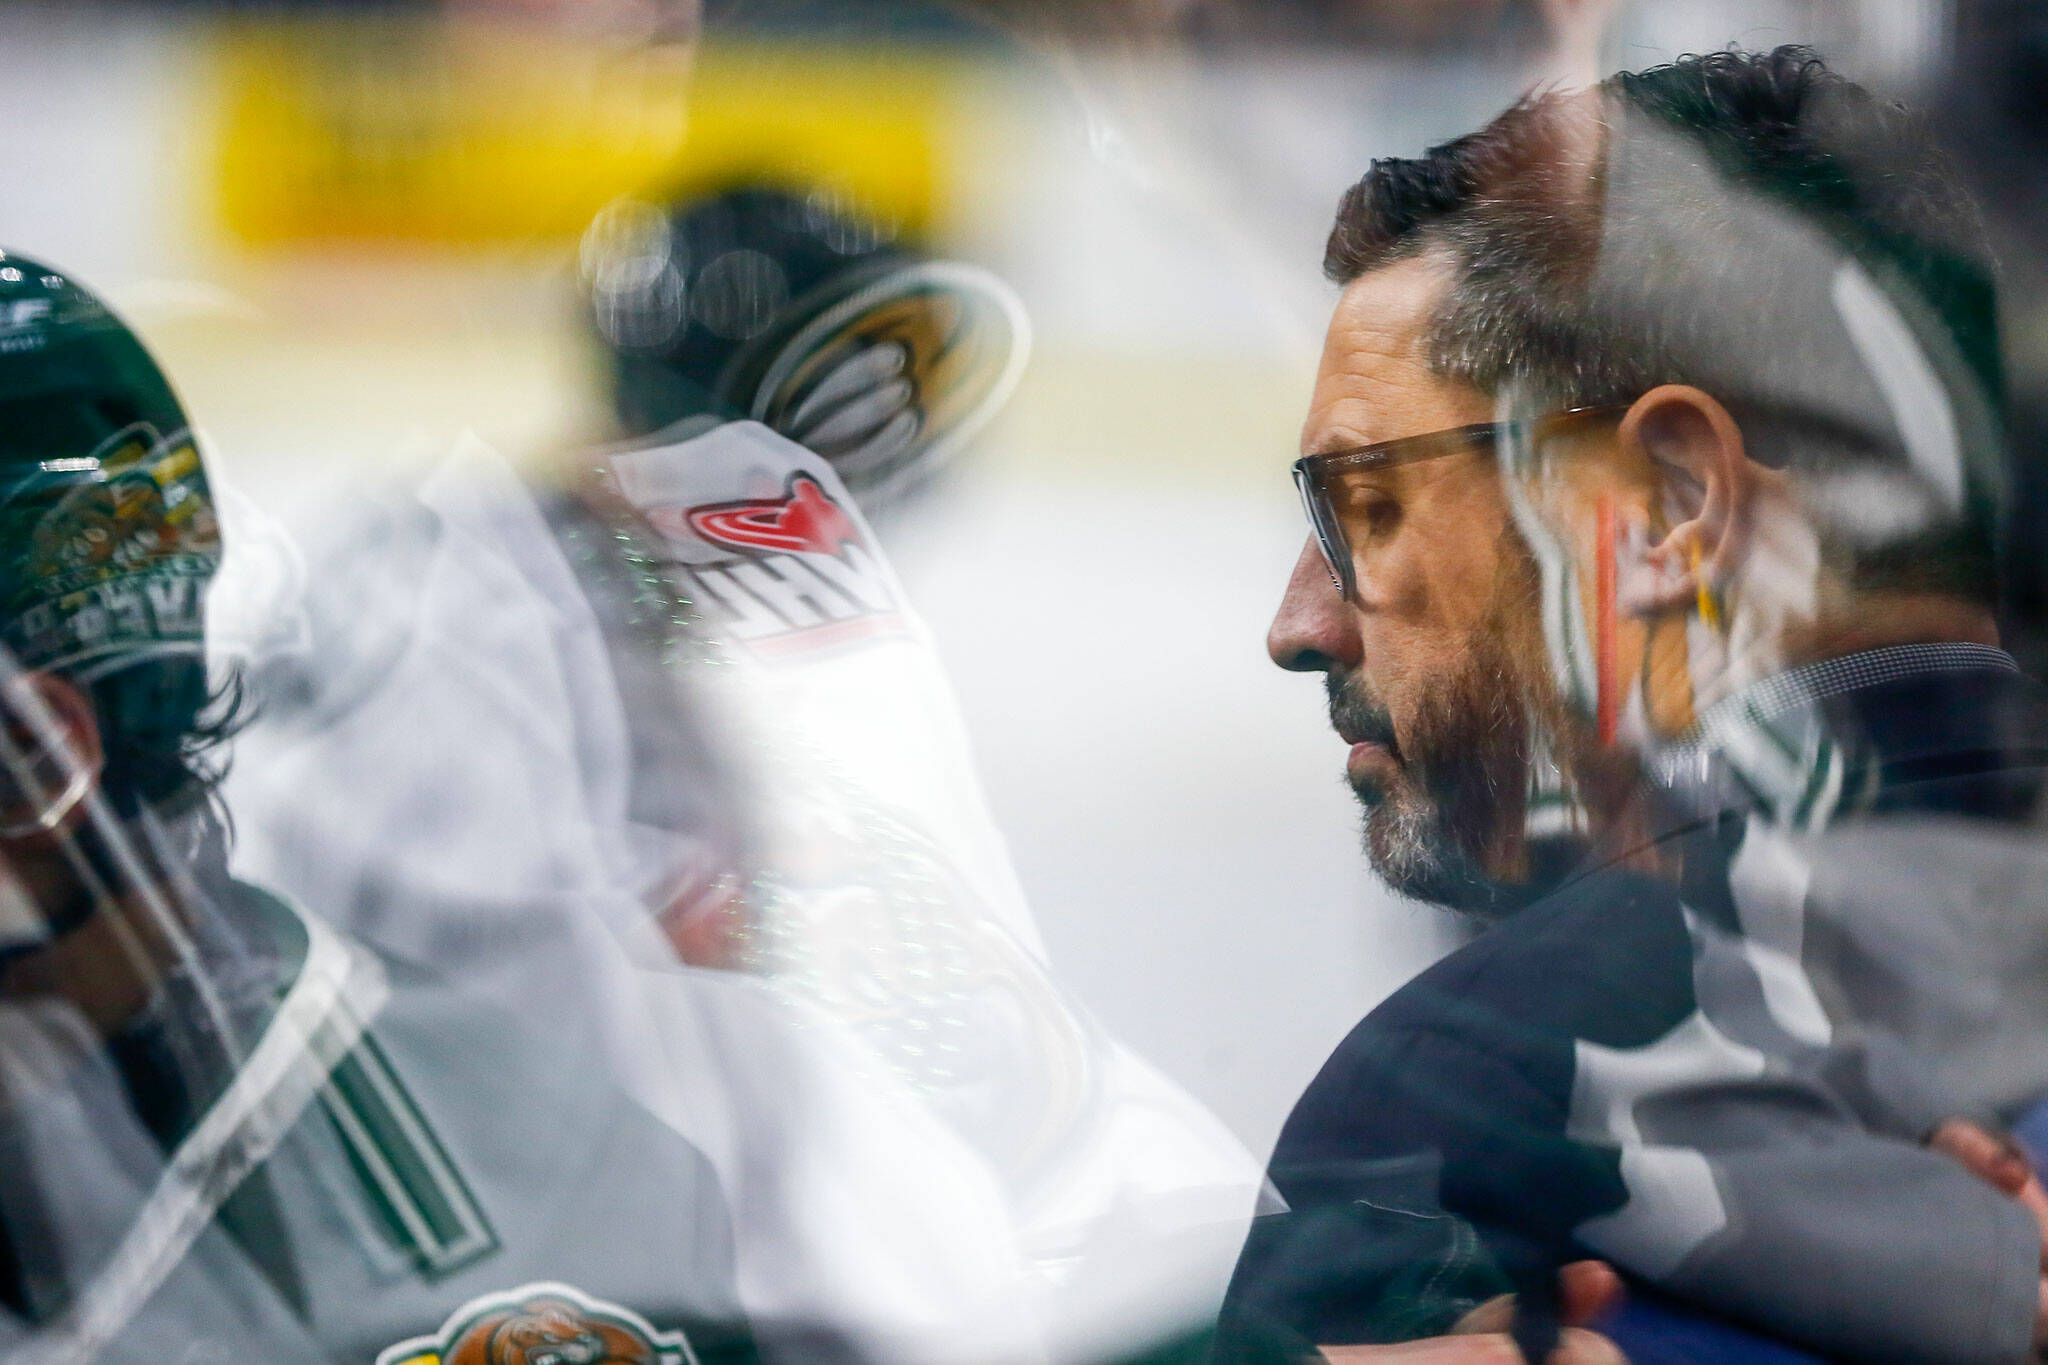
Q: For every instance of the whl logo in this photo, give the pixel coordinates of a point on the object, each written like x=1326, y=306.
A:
x=806, y=521
x=804, y=577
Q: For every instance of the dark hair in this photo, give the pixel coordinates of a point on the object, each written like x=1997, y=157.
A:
x=162, y=730
x=1591, y=268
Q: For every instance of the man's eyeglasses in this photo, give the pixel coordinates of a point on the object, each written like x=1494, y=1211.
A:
x=1323, y=480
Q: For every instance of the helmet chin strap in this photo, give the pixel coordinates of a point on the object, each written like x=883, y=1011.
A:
x=54, y=811
x=29, y=772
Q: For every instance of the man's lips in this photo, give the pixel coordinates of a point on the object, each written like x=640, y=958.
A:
x=1374, y=754
x=1370, y=760
x=1360, y=736
x=1367, y=728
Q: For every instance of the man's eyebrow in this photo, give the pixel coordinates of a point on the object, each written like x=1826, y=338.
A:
x=1335, y=442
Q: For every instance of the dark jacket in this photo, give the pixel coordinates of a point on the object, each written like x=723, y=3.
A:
x=1720, y=1083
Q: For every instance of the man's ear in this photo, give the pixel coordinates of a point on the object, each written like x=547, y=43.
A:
x=1705, y=481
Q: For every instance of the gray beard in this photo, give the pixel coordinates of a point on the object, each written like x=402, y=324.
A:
x=1408, y=846
x=1463, y=781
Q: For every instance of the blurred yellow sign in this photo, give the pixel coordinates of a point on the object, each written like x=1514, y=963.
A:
x=472, y=133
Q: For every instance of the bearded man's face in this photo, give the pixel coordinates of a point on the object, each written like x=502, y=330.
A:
x=1436, y=667
x=1443, y=786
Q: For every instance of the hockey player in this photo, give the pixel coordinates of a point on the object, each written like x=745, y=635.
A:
x=673, y=714
x=228, y=1131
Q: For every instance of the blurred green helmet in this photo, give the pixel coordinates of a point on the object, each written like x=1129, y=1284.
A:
x=108, y=536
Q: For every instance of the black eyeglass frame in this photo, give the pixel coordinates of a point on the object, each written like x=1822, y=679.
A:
x=1315, y=474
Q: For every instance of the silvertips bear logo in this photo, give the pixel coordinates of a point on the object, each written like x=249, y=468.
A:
x=800, y=573
x=543, y=1324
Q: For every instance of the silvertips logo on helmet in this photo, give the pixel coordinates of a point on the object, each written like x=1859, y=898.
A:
x=108, y=535
x=114, y=549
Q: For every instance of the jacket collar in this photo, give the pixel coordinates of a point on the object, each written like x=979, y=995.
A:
x=1817, y=741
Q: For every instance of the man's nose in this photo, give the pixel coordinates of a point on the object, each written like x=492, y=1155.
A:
x=1315, y=630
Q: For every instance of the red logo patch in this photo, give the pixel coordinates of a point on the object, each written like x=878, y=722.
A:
x=807, y=521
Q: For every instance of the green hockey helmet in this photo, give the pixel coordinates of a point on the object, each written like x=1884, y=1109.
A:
x=108, y=535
